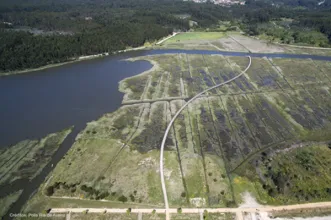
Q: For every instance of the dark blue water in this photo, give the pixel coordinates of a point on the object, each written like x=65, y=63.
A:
x=33, y=105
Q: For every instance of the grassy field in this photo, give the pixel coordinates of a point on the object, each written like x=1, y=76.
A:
x=234, y=41
x=221, y=146
x=298, y=175
x=182, y=37
x=306, y=213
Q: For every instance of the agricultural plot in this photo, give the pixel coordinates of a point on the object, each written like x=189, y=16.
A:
x=229, y=44
x=222, y=144
x=307, y=50
x=234, y=41
x=193, y=41
x=300, y=72
x=256, y=46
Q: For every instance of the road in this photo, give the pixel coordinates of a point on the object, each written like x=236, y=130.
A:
x=198, y=210
x=164, y=190
x=167, y=38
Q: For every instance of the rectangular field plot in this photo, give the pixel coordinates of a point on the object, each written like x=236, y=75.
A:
x=246, y=138
x=256, y=124
x=325, y=68
x=299, y=71
x=264, y=76
x=228, y=145
x=150, y=135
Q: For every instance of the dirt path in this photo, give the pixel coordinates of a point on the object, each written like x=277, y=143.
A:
x=164, y=190
x=167, y=38
x=198, y=210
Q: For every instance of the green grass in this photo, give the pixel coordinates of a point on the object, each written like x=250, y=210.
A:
x=304, y=213
x=39, y=203
x=301, y=174
x=195, y=36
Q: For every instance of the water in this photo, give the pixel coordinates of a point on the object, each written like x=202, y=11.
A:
x=33, y=105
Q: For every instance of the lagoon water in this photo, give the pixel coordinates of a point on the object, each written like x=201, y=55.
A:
x=35, y=104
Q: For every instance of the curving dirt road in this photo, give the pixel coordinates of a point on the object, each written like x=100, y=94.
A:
x=164, y=190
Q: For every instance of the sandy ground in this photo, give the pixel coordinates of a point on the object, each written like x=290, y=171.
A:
x=231, y=45
x=256, y=46
x=249, y=201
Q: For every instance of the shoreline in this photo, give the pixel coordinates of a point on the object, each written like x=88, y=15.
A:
x=122, y=86
x=153, y=47
x=73, y=60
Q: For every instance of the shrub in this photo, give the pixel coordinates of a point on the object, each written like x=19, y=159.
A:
x=103, y=195
x=205, y=214
x=57, y=185
x=132, y=198
x=49, y=191
x=183, y=194
x=179, y=210
x=122, y=198
x=230, y=203
x=154, y=211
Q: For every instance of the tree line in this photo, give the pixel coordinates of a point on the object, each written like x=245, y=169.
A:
x=99, y=26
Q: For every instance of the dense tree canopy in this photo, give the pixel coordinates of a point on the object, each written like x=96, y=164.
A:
x=60, y=30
